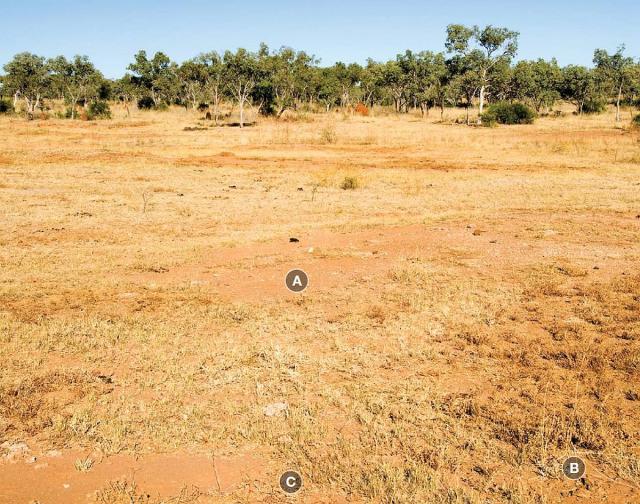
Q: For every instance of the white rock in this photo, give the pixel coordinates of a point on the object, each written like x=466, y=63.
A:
x=15, y=451
x=275, y=409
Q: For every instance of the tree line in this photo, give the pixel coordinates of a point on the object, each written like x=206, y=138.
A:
x=475, y=68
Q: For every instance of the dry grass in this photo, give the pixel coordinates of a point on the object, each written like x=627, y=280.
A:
x=473, y=315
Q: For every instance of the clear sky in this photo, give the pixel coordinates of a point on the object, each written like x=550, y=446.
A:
x=110, y=32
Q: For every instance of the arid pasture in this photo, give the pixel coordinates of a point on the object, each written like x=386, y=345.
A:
x=472, y=318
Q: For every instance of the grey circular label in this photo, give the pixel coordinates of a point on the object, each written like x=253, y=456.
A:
x=290, y=482
x=574, y=468
x=296, y=280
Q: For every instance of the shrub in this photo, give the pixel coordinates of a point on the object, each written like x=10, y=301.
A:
x=349, y=183
x=328, y=135
x=594, y=106
x=635, y=122
x=508, y=113
x=99, y=110
x=146, y=103
x=5, y=106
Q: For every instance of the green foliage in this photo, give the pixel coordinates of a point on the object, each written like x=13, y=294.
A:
x=77, y=80
x=580, y=86
x=349, y=183
x=635, y=122
x=536, y=82
x=156, y=77
x=486, y=52
x=616, y=73
x=146, y=103
x=5, y=106
x=28, y=75
x=476, y=68
x=594, y=106
x=242, y=70
x=98, y=110
x=508, y=113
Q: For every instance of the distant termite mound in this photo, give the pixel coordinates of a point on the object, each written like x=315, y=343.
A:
x=361, y=109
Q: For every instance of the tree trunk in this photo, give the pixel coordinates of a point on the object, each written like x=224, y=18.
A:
x=618, y=103
x=241, y=105
x=481, y=104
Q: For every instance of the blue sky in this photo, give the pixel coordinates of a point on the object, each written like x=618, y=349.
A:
x=110, y=32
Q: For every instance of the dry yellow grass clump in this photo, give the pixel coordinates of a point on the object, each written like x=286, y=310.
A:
x=473, y=314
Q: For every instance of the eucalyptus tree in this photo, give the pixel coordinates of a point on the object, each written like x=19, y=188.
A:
x=156, y=76
x=192, y=75
x=28, y=77
x=578, y=86
x=77, y=79
x=465, y=81
x=434, y=76
x=326, y=87
x=371, y=83
x=213, y=85
x=241, y=73
x=348, y=77
x=537, y=82
x=396, y=82
x=126, y=90
x=485, y=48
x=424, y=75
x=616, y=71
x=286, y=73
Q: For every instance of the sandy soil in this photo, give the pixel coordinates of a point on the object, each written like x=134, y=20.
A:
x=472, y=316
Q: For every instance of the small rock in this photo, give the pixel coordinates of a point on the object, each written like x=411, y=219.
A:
x=300, y=189
x=15, y=451
x=275, y=409
x=293, y=240
x=66, y=485
x=493, y=241
x=233, y=187
x=30, y=460
x=310, y=250
x=596, y=267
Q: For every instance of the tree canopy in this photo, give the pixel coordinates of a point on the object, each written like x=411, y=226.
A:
x=476, y=66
